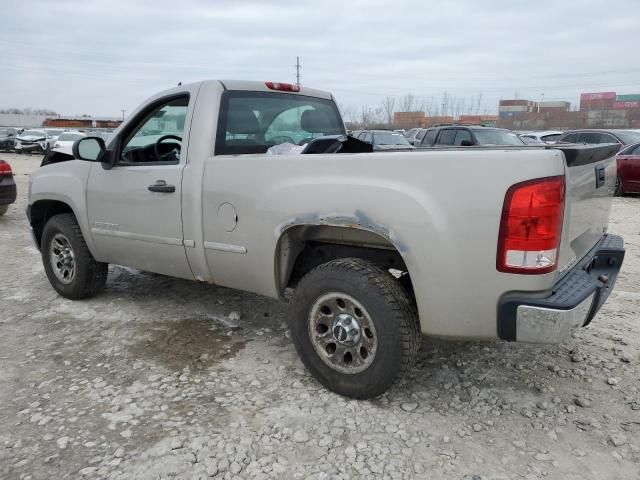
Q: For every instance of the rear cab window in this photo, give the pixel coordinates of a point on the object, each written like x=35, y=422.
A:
x=251, y=122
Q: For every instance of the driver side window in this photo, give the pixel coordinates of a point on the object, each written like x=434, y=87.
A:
x=157, y=138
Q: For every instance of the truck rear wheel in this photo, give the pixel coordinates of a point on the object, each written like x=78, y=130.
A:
x=70, y=267
x=354, y=327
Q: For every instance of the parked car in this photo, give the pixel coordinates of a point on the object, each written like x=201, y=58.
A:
x=66, y=139
x=384, y=140
x=376, y=248
x=623, y=137
x=7, y=187
x=469, y=135
x=628, y=160
x=548, y=136
x=7, y=138
x=410, y=134
x=29, y=141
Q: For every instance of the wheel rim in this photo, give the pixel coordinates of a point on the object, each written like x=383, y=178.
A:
x=342, y=333
x=62, y=259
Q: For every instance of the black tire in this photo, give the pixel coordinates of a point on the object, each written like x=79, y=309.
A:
x=386, y=305
x=3, y=209
x=618, y=190
x=89, y=275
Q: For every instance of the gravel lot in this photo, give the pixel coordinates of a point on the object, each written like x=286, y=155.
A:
x=159, y=378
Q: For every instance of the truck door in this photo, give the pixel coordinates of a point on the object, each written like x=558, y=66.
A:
x=134, y=208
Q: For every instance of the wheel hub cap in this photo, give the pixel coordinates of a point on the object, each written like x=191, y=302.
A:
x=346, y=329
x=342, y=333
x=62, y=259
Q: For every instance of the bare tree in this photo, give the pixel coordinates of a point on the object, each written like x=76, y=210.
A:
x=408, y=103
x=388, y=107
x=348, y=112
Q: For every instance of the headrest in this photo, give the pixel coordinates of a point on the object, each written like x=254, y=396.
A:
x=242, y=121
x=315, y=121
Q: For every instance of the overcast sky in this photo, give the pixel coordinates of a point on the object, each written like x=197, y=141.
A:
x=100, y=56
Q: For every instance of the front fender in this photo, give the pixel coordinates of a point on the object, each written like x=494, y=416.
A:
x=66, y=183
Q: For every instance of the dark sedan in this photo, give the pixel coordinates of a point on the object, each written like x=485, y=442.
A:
x=628, y=170
x=623, y=137
x=7, y=138
x=7, y=187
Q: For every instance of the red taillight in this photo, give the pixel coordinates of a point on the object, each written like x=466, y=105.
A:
x=5, y=169
x=531, y=226
x=283, y=87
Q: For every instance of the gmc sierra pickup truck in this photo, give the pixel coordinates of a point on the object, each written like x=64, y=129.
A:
x=372, y=250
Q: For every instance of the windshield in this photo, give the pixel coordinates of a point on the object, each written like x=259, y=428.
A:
x=389, y=138
x=497, y=137
x=71, y=137
x=34, y=133
x=629, y=137
x=251, y=122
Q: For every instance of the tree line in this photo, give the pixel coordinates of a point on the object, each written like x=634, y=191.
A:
x=28, y=111
x=381, y=116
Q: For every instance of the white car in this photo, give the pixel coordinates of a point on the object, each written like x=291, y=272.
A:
x=65, y=141
x=548, y=136
x=39, y=140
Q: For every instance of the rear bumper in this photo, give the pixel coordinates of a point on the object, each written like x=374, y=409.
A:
x=8, y=192
x=574, y=300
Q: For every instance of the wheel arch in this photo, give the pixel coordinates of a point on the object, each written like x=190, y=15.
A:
x=302, y=246
x=42, y=210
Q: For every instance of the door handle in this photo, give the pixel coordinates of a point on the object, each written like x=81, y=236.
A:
x=162, y=187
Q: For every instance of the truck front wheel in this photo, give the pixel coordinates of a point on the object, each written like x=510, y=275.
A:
x=354, y=327
x=70, y=267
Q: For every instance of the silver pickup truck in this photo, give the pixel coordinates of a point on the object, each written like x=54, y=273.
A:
x=376, y=249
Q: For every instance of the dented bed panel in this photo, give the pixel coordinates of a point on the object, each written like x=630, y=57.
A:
x=439, y=209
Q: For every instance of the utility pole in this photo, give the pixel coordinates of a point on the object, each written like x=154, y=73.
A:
x=123, y=110
x=298, y=71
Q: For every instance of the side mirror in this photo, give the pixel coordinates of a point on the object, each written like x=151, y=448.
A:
x=89, y=149
x=466, y=143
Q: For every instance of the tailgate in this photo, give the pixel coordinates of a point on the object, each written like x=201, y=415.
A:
x=590, y=172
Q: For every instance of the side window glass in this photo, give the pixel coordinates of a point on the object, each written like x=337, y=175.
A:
x=462, y=135
x=158, y=137
x=606, y=138
x=447, y=137
x=429, y=137
x=571, y=138
x=590, y=137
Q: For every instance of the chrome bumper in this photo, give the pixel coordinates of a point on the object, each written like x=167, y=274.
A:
x=547, y=325
x=572, y=302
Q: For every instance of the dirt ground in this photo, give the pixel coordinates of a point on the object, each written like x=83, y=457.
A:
x=157, y=378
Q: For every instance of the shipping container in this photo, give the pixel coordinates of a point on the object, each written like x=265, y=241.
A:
x=507, y=114
x=514, y=108
x=607, y=118
x=597, y=96
x=626, y=105
x=565, y=105
x=514, y=103
x=634, y=97
x=598, y=104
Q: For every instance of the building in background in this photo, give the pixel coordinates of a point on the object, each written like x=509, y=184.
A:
x=596, y=110
x=21, y=120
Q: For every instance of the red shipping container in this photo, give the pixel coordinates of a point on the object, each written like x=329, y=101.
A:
x=597, y=96
x=625, y=105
